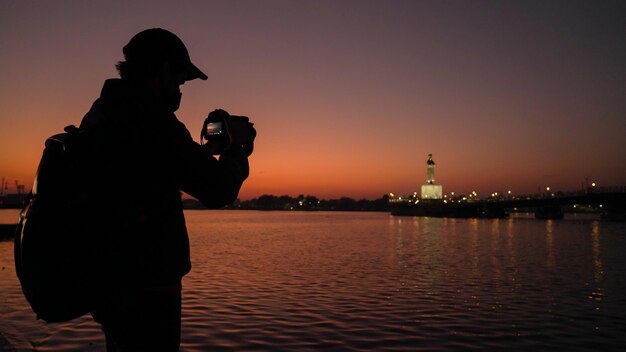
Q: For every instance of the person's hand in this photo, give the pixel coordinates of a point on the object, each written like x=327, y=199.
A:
x=212, y=147
x=241, y=133
x=218, y=114
x=237, y=131
x=248, y=146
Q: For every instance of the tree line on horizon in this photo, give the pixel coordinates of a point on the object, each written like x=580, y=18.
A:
x=301, y=202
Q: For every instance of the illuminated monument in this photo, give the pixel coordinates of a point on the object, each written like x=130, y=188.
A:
x=430, y=190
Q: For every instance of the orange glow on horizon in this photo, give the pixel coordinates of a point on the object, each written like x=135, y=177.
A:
x=349, y=100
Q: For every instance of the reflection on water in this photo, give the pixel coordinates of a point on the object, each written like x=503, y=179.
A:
x=369, y=281
x=550, y=244
x=9, y=216
x=598, y=273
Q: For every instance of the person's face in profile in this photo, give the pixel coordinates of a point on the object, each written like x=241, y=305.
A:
x=172, y=76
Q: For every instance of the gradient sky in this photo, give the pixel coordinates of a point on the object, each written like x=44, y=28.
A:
x=349, y=97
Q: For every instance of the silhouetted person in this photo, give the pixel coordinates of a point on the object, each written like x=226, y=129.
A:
x=142, y=158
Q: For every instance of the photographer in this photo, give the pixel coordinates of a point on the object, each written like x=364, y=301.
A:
x=142, y=158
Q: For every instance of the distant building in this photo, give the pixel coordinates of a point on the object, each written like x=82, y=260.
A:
x=430, y=190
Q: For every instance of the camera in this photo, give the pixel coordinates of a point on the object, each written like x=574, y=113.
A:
x=220, y=130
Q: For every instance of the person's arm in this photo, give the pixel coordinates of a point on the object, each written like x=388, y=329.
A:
x=214, y=182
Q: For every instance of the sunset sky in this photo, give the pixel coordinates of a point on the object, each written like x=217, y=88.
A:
x=349, y=97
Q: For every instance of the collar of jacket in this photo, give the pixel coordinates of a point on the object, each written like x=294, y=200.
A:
x=119, y=91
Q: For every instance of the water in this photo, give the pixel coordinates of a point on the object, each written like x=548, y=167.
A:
x=272, y=281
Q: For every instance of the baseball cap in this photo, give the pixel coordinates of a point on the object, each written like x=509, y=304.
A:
x=160, y=45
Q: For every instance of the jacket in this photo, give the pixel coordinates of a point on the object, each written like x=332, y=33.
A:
x=142, y=158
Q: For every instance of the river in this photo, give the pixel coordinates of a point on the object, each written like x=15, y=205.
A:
x=347, y=281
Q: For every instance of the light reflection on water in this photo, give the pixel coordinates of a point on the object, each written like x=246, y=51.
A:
x=370, y=281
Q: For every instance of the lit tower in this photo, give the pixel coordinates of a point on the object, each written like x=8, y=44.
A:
x=430, y=190
x=430, y=170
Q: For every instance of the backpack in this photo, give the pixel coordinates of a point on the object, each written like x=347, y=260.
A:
x=56, y=243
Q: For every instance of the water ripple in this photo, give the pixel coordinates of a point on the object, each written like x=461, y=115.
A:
x=282, y=281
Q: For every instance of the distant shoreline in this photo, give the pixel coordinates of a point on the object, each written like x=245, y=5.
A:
x=301, y=202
